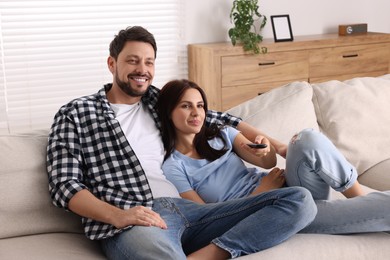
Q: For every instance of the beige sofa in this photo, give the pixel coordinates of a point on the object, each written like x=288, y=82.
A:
x=354, y=114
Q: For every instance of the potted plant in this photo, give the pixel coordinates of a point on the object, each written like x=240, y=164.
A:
x=248, y=23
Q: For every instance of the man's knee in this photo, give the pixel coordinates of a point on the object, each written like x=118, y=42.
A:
x=143, y=243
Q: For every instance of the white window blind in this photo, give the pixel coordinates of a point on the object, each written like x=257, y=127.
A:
x=54, y=51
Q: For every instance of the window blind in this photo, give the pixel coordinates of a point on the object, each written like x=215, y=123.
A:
x=54, y=51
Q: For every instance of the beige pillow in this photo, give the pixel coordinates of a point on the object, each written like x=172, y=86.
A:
x=377, y=177
x=354, y=114
x=281, y=112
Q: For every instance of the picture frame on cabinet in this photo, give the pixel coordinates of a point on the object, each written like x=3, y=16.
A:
x=281, y=27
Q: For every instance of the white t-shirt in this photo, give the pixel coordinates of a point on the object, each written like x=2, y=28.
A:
x=144, y=137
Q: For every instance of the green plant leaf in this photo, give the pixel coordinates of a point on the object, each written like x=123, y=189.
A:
x=248, y=22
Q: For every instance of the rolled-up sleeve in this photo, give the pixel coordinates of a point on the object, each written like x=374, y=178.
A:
x=64, y=161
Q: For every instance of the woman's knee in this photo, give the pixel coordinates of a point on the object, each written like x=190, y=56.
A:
x=308, y=139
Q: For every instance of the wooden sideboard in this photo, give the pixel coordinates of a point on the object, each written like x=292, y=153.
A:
x=230, y=76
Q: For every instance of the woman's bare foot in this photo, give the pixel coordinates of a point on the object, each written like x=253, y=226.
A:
x=354, y=191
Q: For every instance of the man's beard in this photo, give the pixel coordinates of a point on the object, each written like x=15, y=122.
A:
x=127, y=88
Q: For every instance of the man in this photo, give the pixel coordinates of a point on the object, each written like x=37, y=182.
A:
x=104, y=164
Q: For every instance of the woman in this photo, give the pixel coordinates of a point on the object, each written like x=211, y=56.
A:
x=205, y=164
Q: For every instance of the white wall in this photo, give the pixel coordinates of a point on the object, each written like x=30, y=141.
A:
x=208, y=20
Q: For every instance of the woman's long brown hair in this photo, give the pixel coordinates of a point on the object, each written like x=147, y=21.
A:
x=170, y=95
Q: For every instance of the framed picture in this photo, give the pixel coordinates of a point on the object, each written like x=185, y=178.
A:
x=282, y=28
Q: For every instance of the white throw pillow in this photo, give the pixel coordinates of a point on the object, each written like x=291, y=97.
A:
x=281, y=112
x=354, y=114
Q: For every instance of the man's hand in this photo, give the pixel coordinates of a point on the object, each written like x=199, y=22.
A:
x=85, y=204
x=138, y=216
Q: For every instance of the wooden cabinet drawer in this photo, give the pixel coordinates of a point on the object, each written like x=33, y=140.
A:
x=230, y=75
x=251, y=69
x=234, y=95
x=371, y=59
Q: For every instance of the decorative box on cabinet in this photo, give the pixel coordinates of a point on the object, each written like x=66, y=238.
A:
x=230, y=76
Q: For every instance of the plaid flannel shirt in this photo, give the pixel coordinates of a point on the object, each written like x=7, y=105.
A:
x=88, y=150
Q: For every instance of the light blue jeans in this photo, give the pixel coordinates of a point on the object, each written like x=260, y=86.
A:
x=241, y=226
x=315, y=163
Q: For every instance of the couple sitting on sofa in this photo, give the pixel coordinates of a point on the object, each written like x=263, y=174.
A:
x=106, y=168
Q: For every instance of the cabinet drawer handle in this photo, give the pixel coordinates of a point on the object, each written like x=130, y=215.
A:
x=266, y=63
x=351, y=56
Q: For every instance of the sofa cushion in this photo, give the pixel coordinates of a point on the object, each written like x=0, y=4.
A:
x=377, y=176
x=281, y=112
x=58, y=246
x=325, y=247
x=354, y=115
x=26, y=206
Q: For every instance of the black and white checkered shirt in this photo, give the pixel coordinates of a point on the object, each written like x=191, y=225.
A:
x=88, y=150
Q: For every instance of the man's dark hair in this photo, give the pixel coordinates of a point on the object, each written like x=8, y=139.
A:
x=132, y=33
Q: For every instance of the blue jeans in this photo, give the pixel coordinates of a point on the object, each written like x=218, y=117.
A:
x=363, y=214
x=241, y=226
x=315, y=163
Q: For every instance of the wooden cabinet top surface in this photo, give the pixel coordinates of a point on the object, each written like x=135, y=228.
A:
x=299, y=43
